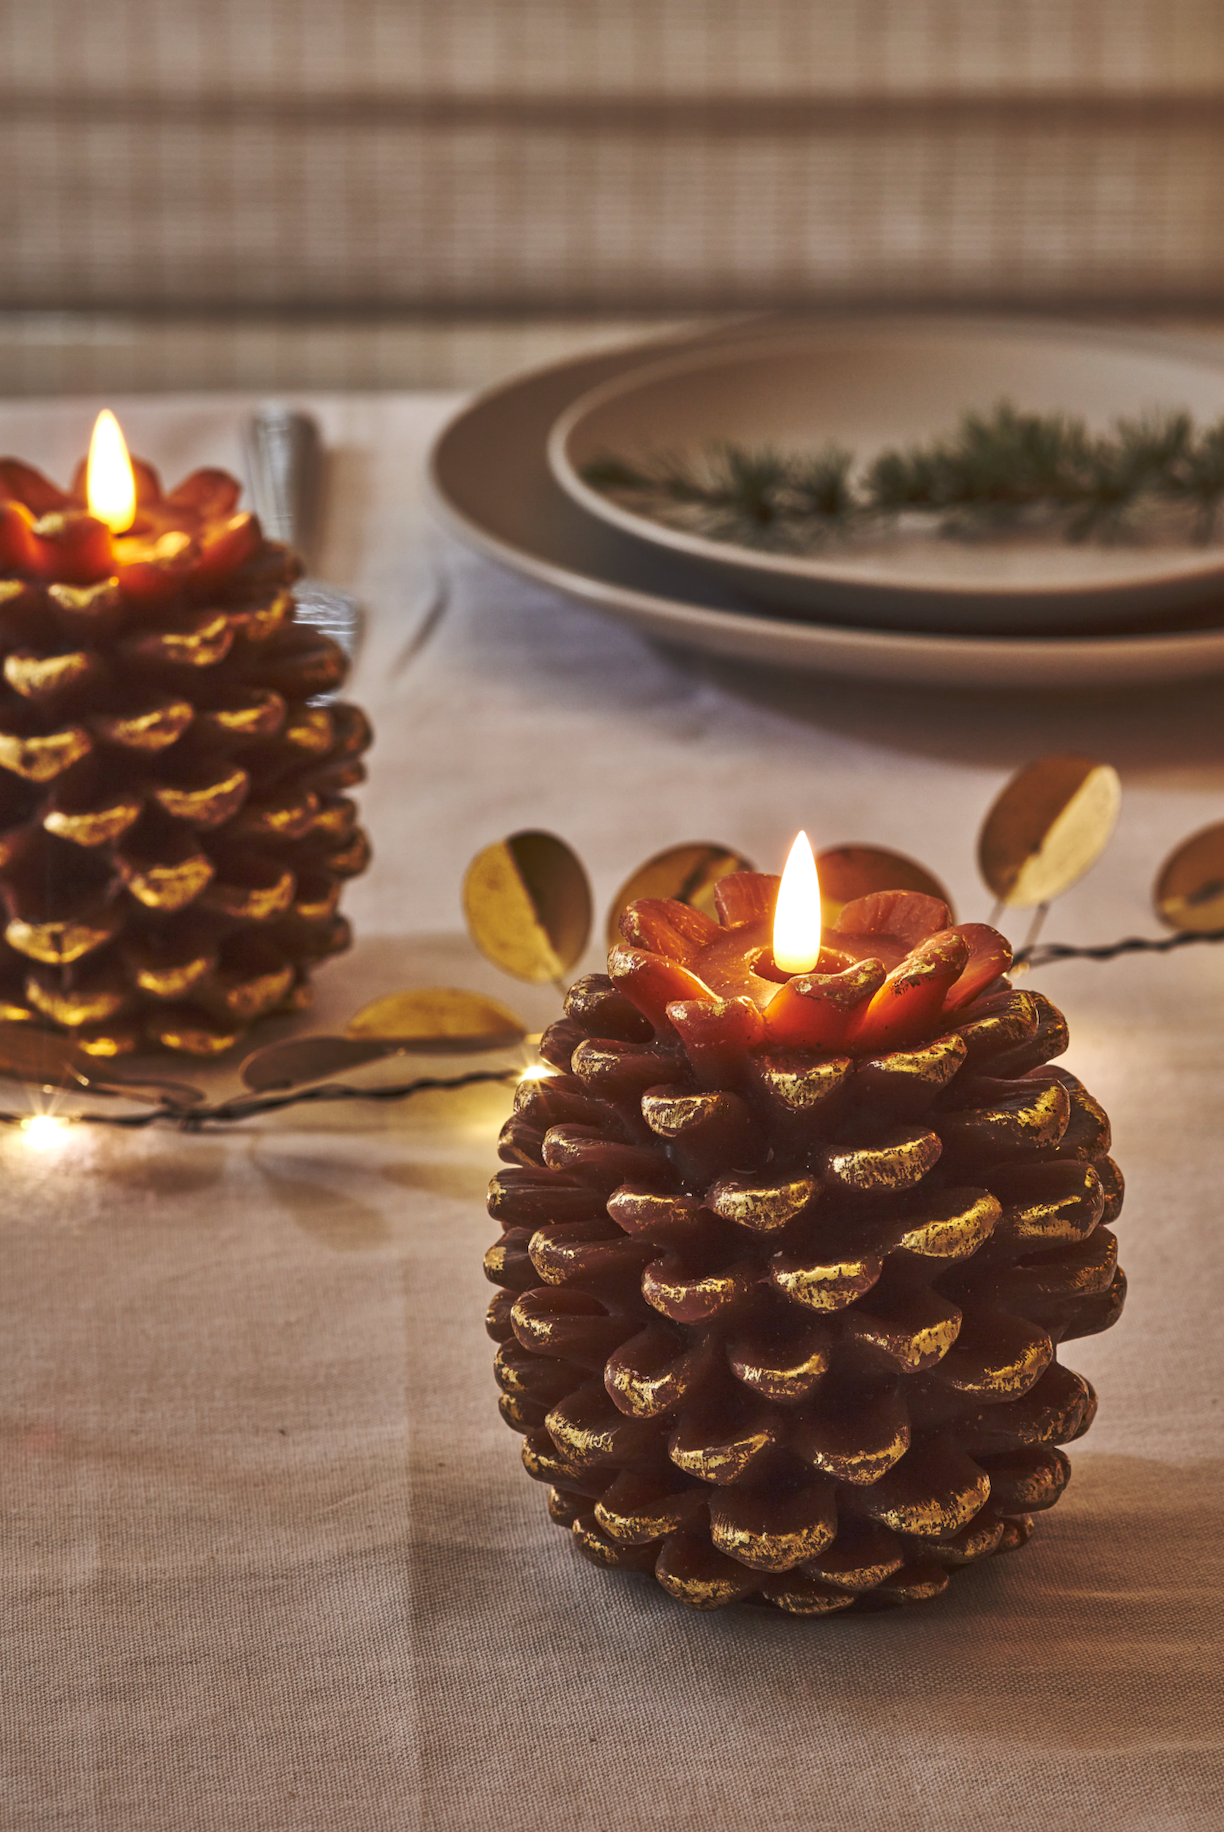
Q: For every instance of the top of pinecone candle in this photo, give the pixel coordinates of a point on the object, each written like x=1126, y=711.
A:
x=787, y=1259
x=173, y=827
x=181, y=543
x=887, y=975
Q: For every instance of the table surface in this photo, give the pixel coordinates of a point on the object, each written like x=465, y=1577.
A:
x=270, y=1557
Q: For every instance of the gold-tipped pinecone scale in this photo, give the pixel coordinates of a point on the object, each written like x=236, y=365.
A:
x=791, y=1334
x=175, y=827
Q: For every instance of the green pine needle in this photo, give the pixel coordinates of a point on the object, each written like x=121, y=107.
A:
x=994, y=469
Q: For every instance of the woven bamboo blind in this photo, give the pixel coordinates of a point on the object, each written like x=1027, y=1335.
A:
x=572, y=155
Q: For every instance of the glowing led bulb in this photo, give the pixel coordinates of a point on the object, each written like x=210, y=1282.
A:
x=43, y=1130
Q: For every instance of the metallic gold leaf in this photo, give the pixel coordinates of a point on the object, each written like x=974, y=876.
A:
x=299, y=1059
x=528, y=906
x=847, y=872
x=1052, y=821
x=146, y=1088
x=1189, y=892
x=42, y=1057
x=687, y=873
x=427, y=1020
x=439, y=1019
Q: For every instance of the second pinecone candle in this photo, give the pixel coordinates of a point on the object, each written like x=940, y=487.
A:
x=787, y=1259
x=174, y=824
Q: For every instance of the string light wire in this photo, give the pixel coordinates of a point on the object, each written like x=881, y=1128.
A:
x=244, y=1107
x=1045, y=954
x=198, y=1116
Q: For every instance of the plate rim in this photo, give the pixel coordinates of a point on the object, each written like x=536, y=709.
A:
x=845, y=651
x=730, y=557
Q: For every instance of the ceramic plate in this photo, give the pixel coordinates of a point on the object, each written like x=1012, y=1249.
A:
x=490, y=482
x=867, y=386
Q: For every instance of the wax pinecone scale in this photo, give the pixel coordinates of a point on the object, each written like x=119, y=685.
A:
x=174, y=827
x=757, y=1395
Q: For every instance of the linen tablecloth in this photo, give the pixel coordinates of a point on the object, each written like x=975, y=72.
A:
x=270, y=1559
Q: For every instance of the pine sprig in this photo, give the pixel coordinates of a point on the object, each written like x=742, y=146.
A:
x=995, y=470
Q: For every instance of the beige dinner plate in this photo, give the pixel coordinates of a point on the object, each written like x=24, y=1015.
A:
x=881, y=384
x=490, y=481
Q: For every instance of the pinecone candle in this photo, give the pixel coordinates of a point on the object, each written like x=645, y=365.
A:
x=787, y=1259
x=174, y=829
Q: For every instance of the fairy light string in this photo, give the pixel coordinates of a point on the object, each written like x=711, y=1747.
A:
x=1045, y=954
x=1046, y=828
x=199, y=1116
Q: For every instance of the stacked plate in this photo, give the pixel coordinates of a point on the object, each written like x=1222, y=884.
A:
x=1012, y=610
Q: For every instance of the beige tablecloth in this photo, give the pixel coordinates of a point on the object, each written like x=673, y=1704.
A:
x=270, y=1560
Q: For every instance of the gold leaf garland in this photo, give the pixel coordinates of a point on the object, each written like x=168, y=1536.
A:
x=527, y=901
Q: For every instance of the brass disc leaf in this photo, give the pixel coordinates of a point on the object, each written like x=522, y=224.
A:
x=146, y=1088
x=686, y=873
x=1051, y=822
x=300, y=1059
x=847, y=872
x=1189, y=892
x=41, y=1057
x=441, y=1019
x=528, y=906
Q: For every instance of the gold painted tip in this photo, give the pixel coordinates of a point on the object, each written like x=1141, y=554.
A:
x=108, y=1042
x=762, y=1207
x=41, y=677
x=59, y=943
x=258, y=903
x=173, y=981
x=288, y=817
x=171, y=887
x=249, y=999
x=76, y=1007
x=94, y=826
x=260, y=715
x=318, y=909
x=311, y=730
x=193, y=1036
x=88, y=601
x=203, y=645
x=42, y=759
x=211, y=803
x=152, y=730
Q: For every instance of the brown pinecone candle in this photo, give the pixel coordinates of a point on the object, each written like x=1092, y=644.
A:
x=174, y=828
x=787, y=1259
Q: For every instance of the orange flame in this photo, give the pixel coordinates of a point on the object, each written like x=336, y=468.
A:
x=110, y=486
x=796, y=932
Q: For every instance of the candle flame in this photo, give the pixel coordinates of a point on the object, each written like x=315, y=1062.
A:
x=796, y=934
x=110, y=486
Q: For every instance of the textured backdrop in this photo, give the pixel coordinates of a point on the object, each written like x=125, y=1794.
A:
x=360, y=155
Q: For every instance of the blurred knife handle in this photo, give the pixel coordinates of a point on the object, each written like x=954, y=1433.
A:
x=284, y=459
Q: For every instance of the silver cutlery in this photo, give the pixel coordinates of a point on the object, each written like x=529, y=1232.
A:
x=285, y=470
